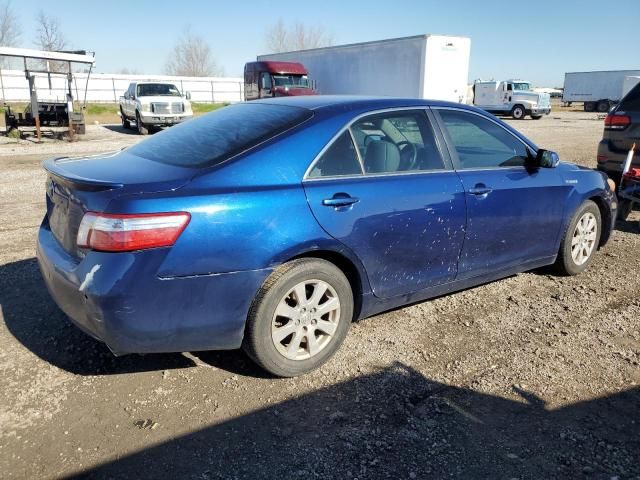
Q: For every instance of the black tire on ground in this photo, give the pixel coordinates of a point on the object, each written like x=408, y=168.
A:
x=126, y=124
x=258, y=342
x=603, y=106
x=589, y=106
x=142, y=130
x=536, y=117
x=624, y=209
x=565, y=264
x=518, y=112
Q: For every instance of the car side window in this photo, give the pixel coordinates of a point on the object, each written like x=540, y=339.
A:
x=399, y=141
x=480, y=143
x=339, y=159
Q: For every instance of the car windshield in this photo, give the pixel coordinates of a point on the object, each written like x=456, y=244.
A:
x=217, y=136
x=299, y=81
x=158, y=89
x=522, y=86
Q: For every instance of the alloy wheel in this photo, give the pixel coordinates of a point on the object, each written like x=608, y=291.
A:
x=305, y=320
x=584, y=237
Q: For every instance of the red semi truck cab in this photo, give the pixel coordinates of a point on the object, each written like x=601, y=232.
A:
x=275, y=79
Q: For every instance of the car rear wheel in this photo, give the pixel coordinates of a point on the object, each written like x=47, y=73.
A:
x=299, y=317
x=126, y=124
x=581, y=240
x=518, y=112
x=142, y=130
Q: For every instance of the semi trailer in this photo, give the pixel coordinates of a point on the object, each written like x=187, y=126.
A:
x=598, y=91
x=422, y=66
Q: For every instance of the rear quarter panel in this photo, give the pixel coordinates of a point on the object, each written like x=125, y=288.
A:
x=250, y=213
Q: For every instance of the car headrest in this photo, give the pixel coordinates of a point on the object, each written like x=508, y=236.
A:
x=381, y=156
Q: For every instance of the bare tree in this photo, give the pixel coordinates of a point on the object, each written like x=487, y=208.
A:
x=128, y=71
x=51, y=38
x=191, y=57
x=279, y=38
x=9, y=28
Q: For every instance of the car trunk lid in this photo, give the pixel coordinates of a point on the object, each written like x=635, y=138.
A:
x=78, y=185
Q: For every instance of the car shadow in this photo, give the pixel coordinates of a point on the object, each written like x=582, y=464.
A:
x=115, y=127
x=33, y=318
x=628, y=226
x=397, y=423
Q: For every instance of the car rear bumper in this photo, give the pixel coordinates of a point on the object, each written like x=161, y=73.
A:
x=118, y=299
x=612, y=162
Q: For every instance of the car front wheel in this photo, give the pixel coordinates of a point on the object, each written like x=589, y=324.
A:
x=142, y=130
x=299, y=317
x=581, y=240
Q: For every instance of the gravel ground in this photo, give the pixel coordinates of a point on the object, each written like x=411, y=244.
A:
x=534, y=376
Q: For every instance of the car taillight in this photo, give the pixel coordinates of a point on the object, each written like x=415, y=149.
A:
x=108, y=232
x=616, y=122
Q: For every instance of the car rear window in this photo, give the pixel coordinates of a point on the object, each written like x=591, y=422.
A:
x=631, y=102
x=217, y=136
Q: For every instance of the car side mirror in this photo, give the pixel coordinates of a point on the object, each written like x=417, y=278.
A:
x=187, y=95
x=547, y=159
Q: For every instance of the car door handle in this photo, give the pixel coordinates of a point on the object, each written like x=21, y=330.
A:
x=342, y=201
x=480, y=190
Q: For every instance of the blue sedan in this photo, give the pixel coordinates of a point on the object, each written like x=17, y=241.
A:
x=272, y=225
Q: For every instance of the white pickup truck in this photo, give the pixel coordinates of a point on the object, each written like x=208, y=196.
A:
x=153, y=104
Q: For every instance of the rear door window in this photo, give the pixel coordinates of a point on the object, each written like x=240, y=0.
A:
x=215, y=137
x=338, y=160
x=398, y=141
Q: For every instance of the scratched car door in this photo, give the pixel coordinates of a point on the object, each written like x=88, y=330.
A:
x=383, y=188
x=514, y=212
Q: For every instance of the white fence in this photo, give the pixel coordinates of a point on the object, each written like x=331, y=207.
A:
x=107, y=88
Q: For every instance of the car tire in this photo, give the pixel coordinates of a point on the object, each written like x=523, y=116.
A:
x=142, y=130
x=603, y=106
x=126, y=124
x=518, y=112
x=589, y=106
x=280, y=344
x=580, y=240
x=625, y=208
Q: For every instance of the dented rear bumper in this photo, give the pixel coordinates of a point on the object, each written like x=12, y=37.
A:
x=118, y=299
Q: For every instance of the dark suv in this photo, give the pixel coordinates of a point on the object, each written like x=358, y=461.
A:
x=621, y=131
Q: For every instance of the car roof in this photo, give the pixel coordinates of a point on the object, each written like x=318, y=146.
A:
x=355, y=102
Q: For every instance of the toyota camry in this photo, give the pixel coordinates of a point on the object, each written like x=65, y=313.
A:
x=272, y=225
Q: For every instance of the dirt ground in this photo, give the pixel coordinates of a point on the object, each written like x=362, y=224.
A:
x=534, y=376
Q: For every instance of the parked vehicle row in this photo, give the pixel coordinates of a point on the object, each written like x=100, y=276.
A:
x=272, y=225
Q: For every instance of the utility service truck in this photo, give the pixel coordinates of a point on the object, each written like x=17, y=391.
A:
x=511, y=97
x=423, y=66
x=599, y=91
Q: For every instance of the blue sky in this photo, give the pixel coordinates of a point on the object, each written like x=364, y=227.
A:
x=538, y=40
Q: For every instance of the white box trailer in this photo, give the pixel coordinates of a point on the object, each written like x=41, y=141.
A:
x=422, y=66
x=599, y=91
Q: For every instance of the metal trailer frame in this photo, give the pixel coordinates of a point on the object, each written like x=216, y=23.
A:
x=67, y=57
